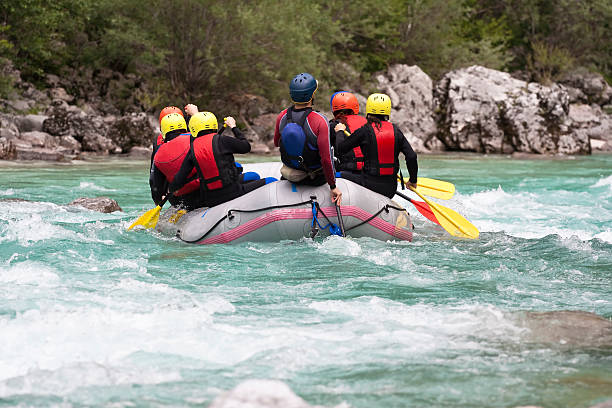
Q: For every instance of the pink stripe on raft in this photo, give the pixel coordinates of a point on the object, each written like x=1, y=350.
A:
x=304, y=214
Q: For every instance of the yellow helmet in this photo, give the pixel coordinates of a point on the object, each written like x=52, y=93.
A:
x=378, y=104
x=172, y=121
x=202, y=121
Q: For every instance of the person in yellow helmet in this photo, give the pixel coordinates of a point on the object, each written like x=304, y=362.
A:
x=168, y=159
x=381, y=143
x=211, y=156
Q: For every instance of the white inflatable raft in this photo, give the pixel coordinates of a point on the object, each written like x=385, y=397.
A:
x=285, y=211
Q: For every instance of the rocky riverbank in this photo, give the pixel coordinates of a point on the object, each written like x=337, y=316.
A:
x=474, y=109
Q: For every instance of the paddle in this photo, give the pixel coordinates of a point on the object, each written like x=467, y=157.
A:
x=453, y=222
x=427, y=186
x=150, y=218
x=340, y=221
x=433, y=188
x=421, y=207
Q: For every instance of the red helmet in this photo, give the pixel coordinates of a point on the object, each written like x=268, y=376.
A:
x=345, y=100
x=169, y=109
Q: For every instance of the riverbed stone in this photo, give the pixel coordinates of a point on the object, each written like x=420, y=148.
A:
x=100, y=204
x=262, y=394
x=140, y=152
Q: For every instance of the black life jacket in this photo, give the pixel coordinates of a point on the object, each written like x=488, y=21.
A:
x=215, y=170
x=298, y=145
x=354, y=159
x=382, y=159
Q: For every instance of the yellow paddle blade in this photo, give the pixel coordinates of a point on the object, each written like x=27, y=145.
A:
x=148, y=219
x=435, y=188
x=453, y=222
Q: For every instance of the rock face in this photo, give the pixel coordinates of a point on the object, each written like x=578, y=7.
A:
x=131, y=130
x=411, y=92
x=89, y=130
x=488, y=111
x=7, y=149
x=101, y=204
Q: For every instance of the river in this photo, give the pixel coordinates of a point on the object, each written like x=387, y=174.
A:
x=94, y=315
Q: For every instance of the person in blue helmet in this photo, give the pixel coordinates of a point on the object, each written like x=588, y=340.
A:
x=303, y=137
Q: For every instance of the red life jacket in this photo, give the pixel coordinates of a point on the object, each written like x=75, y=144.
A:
x=170, y=157
x=382, y=160
x=160, y=139
x=354, y=159
x=215, y=170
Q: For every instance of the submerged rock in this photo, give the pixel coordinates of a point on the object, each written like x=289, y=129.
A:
x=567, y=328
x=101, y=204
x=262, y=394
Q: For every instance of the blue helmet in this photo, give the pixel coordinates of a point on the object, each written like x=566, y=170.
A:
x=303, y=87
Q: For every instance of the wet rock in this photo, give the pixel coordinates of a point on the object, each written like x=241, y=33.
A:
x=595, y=123
x=100, y=204
x=40, y=153
x=131, y=130
x=39, y=139
x=7, y=149
x=567, y=328
x=262, y=394
x=30, y=123
x=70, y=143
x=411, y=92
x=140, y=152
x=488, y=111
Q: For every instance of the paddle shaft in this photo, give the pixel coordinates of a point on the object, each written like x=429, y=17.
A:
x=340, y=221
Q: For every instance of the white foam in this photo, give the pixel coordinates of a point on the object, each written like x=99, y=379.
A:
x=604, y=182
x=88, y=185
x=7, y=192
x=534, y=215
x=68, y=378
x=29, y=273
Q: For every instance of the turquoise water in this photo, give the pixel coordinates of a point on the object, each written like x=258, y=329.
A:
x=92, y=315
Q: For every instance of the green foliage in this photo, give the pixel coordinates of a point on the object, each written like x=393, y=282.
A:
x=548, y=63
x=214, y=51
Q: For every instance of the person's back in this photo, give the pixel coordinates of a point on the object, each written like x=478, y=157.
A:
x=169, y=158
x=381, y=143
x=303, y=137
x=211, y=156
x=345, y=108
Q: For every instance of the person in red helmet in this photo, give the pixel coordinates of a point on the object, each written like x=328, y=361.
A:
x=381, y=143
x=346, y=120
x=304, y=139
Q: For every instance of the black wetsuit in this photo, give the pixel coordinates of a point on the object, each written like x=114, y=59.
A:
x=210, y=198
x=385, y=185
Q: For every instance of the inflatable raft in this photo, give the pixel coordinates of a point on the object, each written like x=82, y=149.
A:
x=285, y=211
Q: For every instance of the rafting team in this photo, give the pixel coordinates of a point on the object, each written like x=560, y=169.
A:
x=195, y=164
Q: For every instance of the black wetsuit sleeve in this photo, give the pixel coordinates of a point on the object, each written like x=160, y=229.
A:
x=158, y=184
x=356, y=139
x=411, y=157
x=238, y=144
x=181, y=177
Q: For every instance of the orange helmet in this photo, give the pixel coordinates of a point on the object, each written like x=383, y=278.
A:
x=169, y=109
x=344, y=100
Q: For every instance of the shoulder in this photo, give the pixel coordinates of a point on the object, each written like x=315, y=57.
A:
x=281, y=115
x=316, y=119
